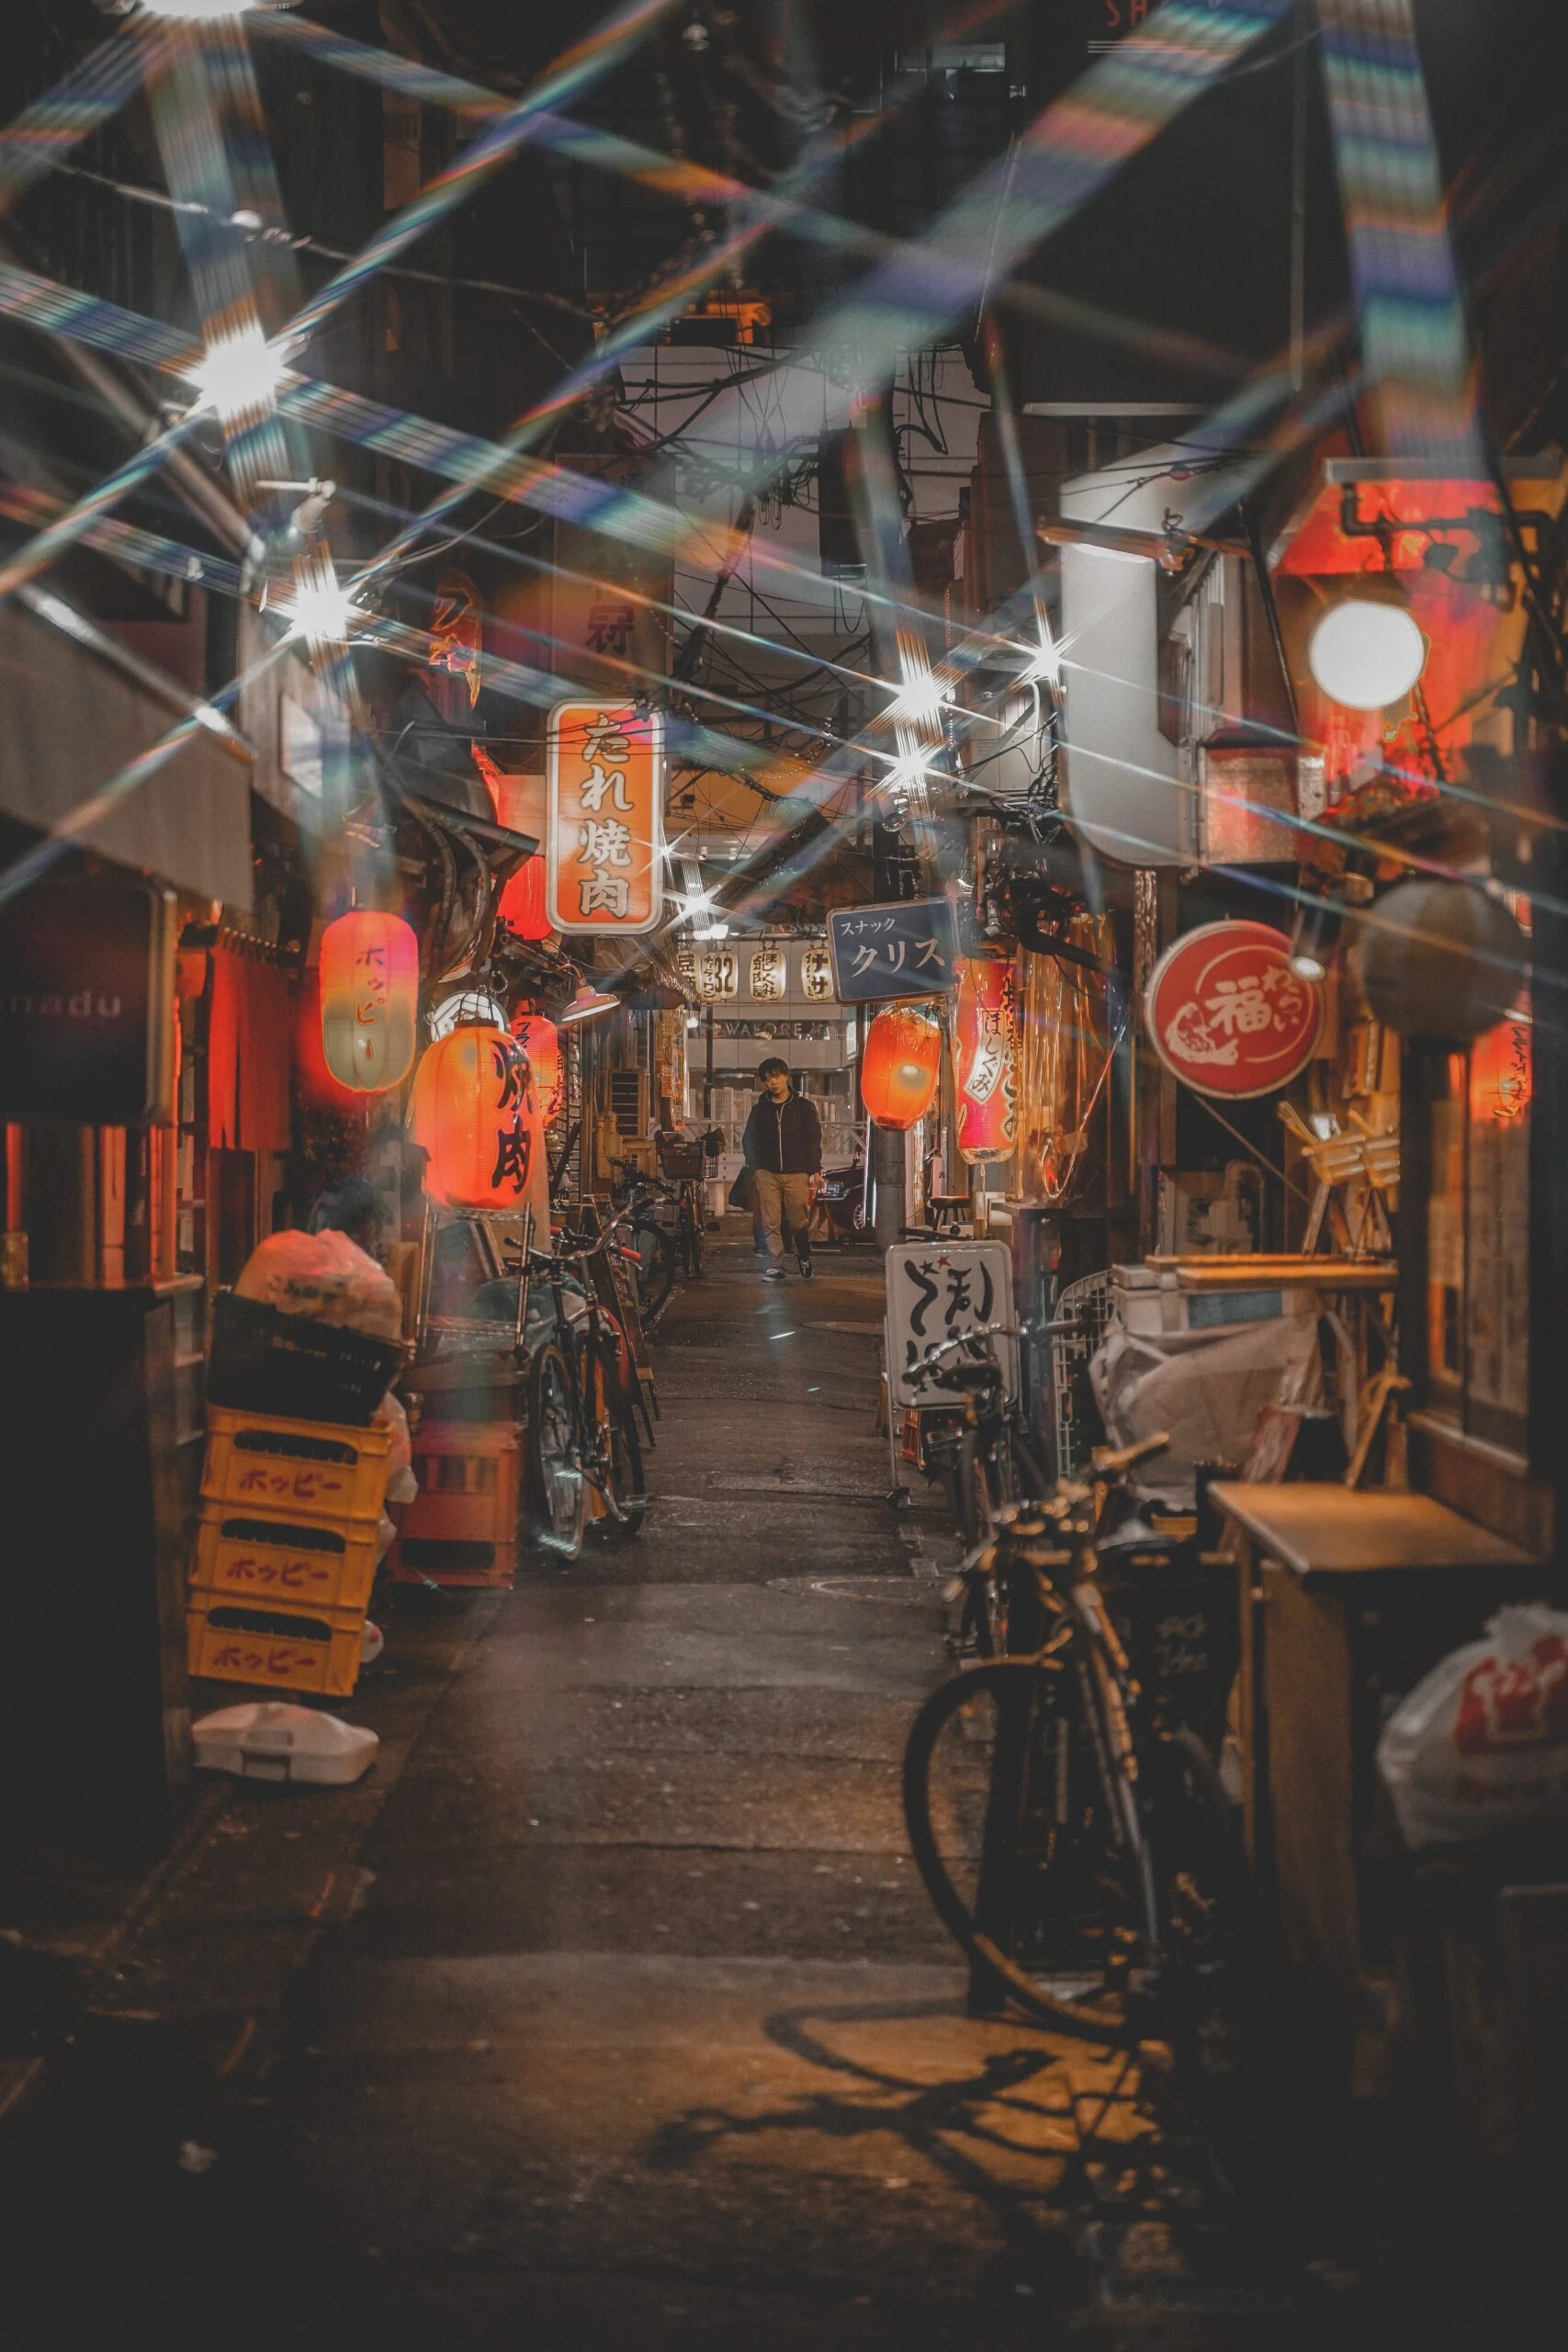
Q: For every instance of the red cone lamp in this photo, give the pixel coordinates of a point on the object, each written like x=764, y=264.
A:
x=522, y=904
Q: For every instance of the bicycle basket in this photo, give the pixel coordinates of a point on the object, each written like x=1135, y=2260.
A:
x=680, y=1159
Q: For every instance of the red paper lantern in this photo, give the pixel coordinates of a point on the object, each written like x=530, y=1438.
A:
x=521, y=907
x=1502, y=1078
x=369, y=1000
x=540, y=1040
x=984, y=1058
x=477, y=1115
x=900, y=1066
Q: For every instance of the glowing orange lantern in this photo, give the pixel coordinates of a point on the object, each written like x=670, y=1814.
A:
x=521, y=906
x=540, y=1040
x=476, y=1113
x=900, y=1066
x=369, y=1000
x=1501, y=1075
x=984, y=1059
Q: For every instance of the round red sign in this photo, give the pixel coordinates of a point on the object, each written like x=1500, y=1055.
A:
x=1227, y=1013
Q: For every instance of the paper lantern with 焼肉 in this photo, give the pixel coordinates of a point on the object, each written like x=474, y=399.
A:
x=369, y=1000
x=476, y=1113
x=540, y=1040
x=900, y=1066
x=984, y=1059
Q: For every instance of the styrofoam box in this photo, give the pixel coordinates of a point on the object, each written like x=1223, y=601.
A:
x=268, y=1739
x=1154, y=1304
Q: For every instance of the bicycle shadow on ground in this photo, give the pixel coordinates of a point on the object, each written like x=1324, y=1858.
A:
x=998, y=2122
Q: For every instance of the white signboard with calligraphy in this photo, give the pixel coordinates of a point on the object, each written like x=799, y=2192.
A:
x=935, y=1292
x=606, y=817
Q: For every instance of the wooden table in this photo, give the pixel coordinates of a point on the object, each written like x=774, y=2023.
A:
x=1348, y=1599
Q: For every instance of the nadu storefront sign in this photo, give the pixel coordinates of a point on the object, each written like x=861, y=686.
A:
x=1226, y=1014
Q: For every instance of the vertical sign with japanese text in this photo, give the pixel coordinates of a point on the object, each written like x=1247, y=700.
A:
x=939, y=1292
x=606, y=817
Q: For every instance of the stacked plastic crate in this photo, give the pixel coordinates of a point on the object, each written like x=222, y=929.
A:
x=285, y=1552
x=462, y=1527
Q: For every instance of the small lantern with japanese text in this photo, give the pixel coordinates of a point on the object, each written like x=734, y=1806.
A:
x=369, y=1000
x=817, y=976
x=984, y=1058
x=540, y=1040
x=476, y=1113
x=901, y=1066
x=769, y=980
x=718, y=974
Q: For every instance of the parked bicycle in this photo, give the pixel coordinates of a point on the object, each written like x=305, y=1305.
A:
x=988, y=1456
x=1068, y=1825
x=585, y=1460
x=666, y=1230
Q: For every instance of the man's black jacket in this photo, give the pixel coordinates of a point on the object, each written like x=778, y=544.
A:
x=785, y=1136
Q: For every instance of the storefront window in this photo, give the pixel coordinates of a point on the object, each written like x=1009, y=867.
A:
x=1478, y=1239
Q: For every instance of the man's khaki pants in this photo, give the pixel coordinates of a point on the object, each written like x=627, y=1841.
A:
x=783, y=1200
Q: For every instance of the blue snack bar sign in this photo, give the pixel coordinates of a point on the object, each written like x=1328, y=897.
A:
x=908, y=948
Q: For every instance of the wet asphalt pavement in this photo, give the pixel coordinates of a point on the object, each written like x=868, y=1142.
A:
x=609, y=2011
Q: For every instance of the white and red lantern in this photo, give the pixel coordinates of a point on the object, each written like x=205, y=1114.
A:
x=369, y=1000
x=476, y=1113
x=984, y=1058
x=900, y=1066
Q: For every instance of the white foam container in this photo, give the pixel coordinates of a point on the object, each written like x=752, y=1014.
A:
x=268, y=1739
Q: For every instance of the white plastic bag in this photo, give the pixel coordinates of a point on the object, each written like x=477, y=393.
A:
x=326, y=1277
x=401, y=1483
x=1482, y=1744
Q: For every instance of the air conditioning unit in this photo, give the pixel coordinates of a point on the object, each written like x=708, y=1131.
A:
x=628, y=1103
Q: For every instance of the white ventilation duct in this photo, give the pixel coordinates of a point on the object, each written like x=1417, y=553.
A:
x=1120, y=773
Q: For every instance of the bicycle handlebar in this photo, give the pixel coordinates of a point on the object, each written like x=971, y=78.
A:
x=928, y=1368
x=1112, y=1462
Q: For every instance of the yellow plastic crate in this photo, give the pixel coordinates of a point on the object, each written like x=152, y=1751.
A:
x=314, y=1470
x=276, y=1649
x=284, y=1564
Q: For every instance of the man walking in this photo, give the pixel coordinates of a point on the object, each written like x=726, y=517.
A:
x=783, y=1144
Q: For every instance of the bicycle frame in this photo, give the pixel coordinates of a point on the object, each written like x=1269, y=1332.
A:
x=569, y=1335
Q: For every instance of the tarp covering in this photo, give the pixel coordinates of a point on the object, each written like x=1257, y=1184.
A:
x=1207, y=1391
x=69, y=723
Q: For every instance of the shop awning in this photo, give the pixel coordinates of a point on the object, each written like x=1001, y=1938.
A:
x=70, y=721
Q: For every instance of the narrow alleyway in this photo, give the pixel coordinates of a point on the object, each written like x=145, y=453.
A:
x=627, y=2023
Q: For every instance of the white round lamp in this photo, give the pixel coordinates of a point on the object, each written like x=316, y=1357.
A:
x=1367, y=654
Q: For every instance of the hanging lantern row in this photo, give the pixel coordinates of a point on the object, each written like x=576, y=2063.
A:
x=476, y=1113
x=369, y=984
x=901, y=1066
x=984, y=1058
x=712, y=974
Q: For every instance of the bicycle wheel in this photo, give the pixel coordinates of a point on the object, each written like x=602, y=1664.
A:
x=1008, y=1823
x=558, y=1492
x=656, y=1269
x=695, y=1244
x=617, y=1471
